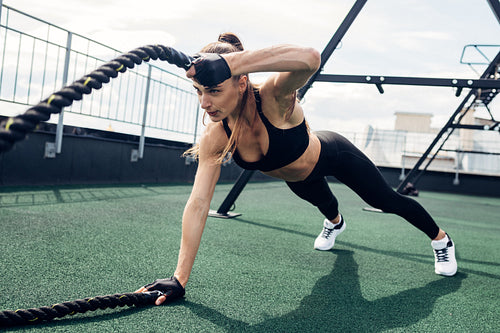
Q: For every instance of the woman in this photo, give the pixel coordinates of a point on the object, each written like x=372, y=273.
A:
x=263, y=127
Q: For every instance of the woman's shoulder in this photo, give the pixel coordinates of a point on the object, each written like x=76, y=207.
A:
x=214, y=138
x=214, y=129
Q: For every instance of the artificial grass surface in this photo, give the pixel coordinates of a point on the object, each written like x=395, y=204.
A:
x=255, y=273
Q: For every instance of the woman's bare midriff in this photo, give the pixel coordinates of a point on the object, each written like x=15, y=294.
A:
x=299, y=169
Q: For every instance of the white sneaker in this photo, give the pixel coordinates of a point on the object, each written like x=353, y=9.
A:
x=326, y=238
x=444, y=255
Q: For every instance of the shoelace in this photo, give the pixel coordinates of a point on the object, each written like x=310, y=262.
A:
x=442, y=255
x=327, y=232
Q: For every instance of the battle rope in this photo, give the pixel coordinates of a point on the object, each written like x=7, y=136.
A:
x=37, y=315
x=15, y=128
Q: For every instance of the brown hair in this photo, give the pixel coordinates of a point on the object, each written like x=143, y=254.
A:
x=227, y=43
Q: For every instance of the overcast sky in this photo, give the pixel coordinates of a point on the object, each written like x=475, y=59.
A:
x=421, y=38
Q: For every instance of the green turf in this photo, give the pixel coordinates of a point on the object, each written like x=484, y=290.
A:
x=256, y=273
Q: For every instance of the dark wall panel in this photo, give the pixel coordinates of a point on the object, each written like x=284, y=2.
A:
x=92, y=159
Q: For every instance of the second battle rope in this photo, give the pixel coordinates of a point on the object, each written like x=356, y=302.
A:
x=45, y=313
x=15, y=128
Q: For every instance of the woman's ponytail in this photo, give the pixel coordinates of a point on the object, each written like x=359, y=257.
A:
x=230, y=38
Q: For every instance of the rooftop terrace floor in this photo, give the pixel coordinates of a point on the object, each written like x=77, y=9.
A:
x=255, y=273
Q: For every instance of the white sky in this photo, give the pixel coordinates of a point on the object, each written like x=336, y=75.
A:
x=421, y=38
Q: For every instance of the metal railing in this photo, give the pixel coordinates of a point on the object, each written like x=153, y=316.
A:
x=38, y=57
x=465, y=151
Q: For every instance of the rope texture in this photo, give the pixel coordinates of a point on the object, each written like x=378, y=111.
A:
x=15, y=128
x=37, y=315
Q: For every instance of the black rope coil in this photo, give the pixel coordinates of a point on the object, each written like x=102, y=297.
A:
x=45, y=313
x=15, y=128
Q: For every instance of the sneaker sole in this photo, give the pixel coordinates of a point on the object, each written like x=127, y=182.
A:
x=445, y=274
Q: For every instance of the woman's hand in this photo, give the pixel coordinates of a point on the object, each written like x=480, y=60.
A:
x=171, y=289
x=209, y=69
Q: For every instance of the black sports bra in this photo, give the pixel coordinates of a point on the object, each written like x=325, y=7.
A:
x=285, y=145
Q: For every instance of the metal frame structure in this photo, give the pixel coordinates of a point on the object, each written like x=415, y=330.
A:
x=483, y=95
x=483, y=89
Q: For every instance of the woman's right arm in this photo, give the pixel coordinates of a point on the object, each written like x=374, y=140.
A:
x=195, y=212
x=198, y=204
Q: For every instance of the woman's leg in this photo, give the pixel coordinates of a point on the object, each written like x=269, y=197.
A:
x=318, y=193
x=342, y=159
x=354, y=169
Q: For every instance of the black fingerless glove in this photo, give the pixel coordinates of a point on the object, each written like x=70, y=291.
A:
x=171, y=288
x=211, y=69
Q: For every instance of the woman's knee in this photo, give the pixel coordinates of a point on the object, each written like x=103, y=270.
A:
x=317, y=193
x=396, y=203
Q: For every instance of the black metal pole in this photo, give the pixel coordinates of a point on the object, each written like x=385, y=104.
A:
x=226, y=205
x=495, y=8
x=333, y=43
x=414, y=81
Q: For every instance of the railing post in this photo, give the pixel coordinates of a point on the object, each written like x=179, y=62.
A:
x=456, y=180
x=60, y=123
x=190, y=159
x=1, y=10
x=403, y=153
x=145, y=115
x=196, y=123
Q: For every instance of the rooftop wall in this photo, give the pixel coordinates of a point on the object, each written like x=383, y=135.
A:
x=105, y=158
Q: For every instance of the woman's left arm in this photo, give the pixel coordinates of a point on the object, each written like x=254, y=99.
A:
x=294, y=64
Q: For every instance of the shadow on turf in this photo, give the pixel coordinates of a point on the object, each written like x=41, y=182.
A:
x=338, y=292
x=427, y=259
x=75, y=194
x=336, y=304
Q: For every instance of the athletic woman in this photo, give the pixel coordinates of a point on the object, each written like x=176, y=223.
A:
x=263, y=128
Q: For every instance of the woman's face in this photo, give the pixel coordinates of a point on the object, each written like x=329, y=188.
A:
x=223, y=100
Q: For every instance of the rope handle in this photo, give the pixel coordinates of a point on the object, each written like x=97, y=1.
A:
x=45, y=313
x=15, y=128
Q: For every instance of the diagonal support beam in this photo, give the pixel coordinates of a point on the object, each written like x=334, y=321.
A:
x=223, y=211
x=495, y=8
x=333, y=43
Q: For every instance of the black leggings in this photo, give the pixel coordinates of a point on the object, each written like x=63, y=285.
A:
x=341, y=159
